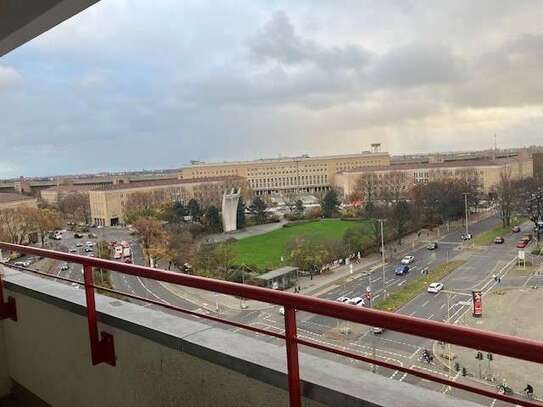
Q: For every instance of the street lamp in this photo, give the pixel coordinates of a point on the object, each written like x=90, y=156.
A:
x=383, y=256
x=466, y=210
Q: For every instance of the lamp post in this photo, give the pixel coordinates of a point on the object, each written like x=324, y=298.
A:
x=466, y=211
x=383, y=256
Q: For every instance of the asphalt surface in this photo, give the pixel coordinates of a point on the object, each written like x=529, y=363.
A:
x=393, y=347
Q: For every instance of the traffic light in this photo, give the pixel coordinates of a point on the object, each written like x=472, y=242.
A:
x=479, y=356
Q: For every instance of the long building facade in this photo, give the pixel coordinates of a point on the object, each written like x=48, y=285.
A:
x=401, y=178
x=293, y=174
x=108, y=204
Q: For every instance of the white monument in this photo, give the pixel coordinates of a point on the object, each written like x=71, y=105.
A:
x=230, y=210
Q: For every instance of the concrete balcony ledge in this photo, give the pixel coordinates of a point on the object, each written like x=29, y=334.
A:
x=167, y=360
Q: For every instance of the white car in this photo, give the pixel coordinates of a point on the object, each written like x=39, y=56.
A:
x=343, y=299
x=357, y=301
x=408, y=260
x=89, y=244
x=435, y=288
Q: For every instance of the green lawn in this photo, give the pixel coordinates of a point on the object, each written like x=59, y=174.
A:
x=265, y=250
x=487, y=237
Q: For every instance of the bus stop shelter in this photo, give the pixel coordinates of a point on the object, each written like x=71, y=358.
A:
x=280, y=278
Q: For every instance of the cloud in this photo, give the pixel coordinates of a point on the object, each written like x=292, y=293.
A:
x=9, y=77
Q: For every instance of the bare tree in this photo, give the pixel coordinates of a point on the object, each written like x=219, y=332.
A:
x=505, y=193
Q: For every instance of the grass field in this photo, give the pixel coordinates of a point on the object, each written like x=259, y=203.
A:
x=487, y=237
x=265, y=250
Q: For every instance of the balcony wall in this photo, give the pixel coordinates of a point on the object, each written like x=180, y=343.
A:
x=167, y=360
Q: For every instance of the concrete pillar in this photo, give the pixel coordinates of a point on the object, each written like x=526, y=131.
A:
x=5, y=382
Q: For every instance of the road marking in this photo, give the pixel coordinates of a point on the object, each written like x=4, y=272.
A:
x=425, y=303
x=430, y=317
x=403, y=282
x=443, y=306
x=412, y=313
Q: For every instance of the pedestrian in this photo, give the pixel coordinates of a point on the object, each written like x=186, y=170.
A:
x=495, y=277
x=499, y=280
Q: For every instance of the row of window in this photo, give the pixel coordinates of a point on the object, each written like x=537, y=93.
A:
x=288, y=181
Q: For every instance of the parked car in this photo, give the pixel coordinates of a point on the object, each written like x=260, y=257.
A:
x=64, y=267
x=499, y=240
x=72, y=250
x=515, y=229
x=522, y=244
x=78, y=244
x=88, y=249
x=343, y=299
x=466, y=236
x=376, y=330
x=23, y=263
x=128, y=260
x=357, y=301
x=432, y=246
x=89, y=244
x=78, y=235
x=434, y=288
x=401, y=270
x=408, y=260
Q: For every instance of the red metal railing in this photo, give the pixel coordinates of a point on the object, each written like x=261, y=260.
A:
x=102, y=346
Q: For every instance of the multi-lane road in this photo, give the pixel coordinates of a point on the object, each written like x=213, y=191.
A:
x=476, y=273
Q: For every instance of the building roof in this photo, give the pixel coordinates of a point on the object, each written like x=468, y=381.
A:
x=12, y=197
x=270, y=275
x=166, y=182
x=69, y=188
x=286, y=160
x=415, y=166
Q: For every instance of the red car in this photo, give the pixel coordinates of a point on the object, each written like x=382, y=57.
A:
x=522, y=244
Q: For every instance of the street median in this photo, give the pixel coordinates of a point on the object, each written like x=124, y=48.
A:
x=413, y=288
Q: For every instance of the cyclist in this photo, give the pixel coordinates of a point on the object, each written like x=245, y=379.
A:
x=529, y=390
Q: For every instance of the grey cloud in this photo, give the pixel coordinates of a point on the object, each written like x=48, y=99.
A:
x=418, y=65
x=278, y=42
x=9, y=77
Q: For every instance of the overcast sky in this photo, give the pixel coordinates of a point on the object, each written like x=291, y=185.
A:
x=154, y=84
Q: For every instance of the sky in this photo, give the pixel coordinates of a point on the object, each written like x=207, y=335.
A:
x=130, y=85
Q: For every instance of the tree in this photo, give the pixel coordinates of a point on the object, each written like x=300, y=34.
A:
x=354, y=240
x=44, y=220
x=505, y=193
x=240, y=217
x=141, y=205
x=214, y=261
x=194, y=209
x=75, y=207
x=400, y=218
x=213, y=219
x=176, y=212
x=300, y=208
x=330, y=204
x=153, y=236
x=104, y=252
x=181, y=248
x=258, y=209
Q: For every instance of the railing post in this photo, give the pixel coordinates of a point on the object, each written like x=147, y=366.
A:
x=8, y=308
x=293, y=366
x=102, y=350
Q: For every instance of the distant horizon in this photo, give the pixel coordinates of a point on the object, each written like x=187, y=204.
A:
x=172, y=169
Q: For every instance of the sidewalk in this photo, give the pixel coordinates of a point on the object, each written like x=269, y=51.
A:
x=322, y=283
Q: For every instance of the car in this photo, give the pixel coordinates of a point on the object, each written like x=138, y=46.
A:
x=515, y=229
x=78, y=244
x=432, y=246
x=343, y=299
x=89, y=244
x=466, y=236
x=357, y=301
x=401, y=270
x=75, y=285
x=527, y=238
x=57, y=237
x=408, y=260
x=88, y=249
x=72, y=250
x=23, y=263
x=522, y=244
x=64, y=267
x=128, y=260
x=499, y=240
x=434, y=288
x=78, y=235
x=376, y=330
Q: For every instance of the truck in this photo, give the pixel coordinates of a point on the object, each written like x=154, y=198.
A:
x=117, y=251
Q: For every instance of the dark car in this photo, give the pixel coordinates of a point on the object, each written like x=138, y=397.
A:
x=515, y=229
x=401, y=270
x=432, y=246
x=78, y=235
x=499, y=240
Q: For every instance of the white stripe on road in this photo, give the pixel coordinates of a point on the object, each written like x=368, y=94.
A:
x=425, y=303
x=443, y=306
x=403, y=282
x=431, y=316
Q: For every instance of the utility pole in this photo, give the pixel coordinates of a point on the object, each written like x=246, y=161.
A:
x=383, y=257
x=466, y=210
